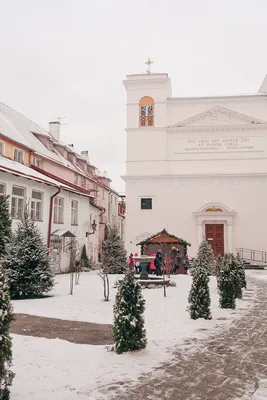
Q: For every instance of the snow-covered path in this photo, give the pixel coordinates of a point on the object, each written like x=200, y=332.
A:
x=228, y=366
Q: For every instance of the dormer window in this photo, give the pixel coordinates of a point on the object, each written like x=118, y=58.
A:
x=146, y=112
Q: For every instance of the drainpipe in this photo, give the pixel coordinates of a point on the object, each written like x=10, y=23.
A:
x=50, y=216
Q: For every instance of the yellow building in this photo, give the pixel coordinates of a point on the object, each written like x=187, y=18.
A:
x=15, y=151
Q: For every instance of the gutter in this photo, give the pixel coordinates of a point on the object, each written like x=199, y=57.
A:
x=50, y=216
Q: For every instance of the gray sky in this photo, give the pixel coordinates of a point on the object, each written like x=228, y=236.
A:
x=69, y=57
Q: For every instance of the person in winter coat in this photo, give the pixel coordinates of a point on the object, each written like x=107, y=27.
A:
x=131, y=262
x=158, y=262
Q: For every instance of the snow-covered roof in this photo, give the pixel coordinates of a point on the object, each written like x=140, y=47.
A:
x=63, y=232
x=224, y=96
x=15, y=168
x=21, y=129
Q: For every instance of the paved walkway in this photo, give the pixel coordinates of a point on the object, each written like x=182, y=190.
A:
x=225, y=367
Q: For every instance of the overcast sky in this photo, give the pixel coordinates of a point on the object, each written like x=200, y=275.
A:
x=69, y=57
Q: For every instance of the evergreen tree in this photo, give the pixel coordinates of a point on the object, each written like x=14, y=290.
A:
x=241, y=271
x=114, y=254
x=5, y=225
x=128, y=330
x=27, y=262
x=6, y=317
x=227, y=283
x=219, y=265
x=199, y=296
x=205, y=256
x=86, y=265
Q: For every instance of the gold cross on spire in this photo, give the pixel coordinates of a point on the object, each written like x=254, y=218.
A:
x=148, y=63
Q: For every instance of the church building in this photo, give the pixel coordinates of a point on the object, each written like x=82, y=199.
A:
x=195, y=166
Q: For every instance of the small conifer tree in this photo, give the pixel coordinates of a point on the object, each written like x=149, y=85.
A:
x=241, y=272
x=227, y=283
x=199, y=296
x=219, y=265
x=6, y=317
x=205, y=256
x=5, y=225
x=114, y=255
x=27, y=263
x=128, y=331
x=86, y=265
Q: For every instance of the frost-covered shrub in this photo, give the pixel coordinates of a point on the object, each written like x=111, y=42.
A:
x=128, y=330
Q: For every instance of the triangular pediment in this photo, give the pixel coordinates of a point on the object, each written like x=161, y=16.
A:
x=218, y=116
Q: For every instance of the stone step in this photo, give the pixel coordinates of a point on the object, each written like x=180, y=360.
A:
x=254, y=266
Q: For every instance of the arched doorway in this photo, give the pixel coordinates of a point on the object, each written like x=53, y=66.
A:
x=214, y=223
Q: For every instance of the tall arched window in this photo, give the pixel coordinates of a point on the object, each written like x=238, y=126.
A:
x=146, y=116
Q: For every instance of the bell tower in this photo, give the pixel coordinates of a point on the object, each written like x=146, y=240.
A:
x=147, y=118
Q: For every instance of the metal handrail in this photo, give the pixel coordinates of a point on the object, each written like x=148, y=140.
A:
x=253, y=255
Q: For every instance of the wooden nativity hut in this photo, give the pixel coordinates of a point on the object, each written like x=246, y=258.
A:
x=165, y=242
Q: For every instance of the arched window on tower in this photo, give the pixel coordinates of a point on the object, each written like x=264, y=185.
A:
x=146, y=107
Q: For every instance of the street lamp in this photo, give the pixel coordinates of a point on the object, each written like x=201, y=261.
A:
x=93, y=228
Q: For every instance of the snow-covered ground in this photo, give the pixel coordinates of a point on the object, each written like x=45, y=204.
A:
x=261, y=392
x=57, y=369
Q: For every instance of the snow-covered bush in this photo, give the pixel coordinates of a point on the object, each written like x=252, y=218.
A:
x=199, y=296
x=128, y=331
x=6, y=317
x=205, y=256
x=227, y=282
x=27, y=263
x=114, y=255
x=241, y=272
x=5, y=225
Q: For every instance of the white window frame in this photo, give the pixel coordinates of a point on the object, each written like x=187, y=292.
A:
x=74, y=212
x=76, y=178
x=38, y=160
x=34, y=203
x=83, y=182
x=16, y=149
x=58, y=218
x=3, y=185
x=18, y=211
x=2, y=144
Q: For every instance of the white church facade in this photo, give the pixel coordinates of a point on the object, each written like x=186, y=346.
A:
x=195, y=166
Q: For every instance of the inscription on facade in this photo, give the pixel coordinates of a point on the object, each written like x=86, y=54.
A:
x=219, y=145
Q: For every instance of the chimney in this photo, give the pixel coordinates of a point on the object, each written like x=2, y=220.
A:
x=54, y=129
x=84, y=155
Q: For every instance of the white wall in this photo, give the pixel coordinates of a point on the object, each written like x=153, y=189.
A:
x=176, y=199
x=180, y=182
x=84, y=210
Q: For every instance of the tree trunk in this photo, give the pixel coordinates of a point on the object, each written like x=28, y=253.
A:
x=107, y=299
x=71, y=282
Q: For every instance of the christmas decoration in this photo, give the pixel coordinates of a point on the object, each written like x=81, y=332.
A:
x=5, y=225
x=27, y=264
x=227, y=282
x=128, y=330
x=6, y=317
x=199, y=296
